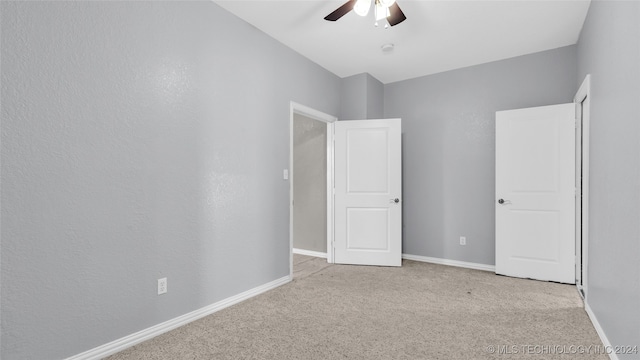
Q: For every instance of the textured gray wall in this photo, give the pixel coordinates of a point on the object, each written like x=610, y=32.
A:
x=362, y=97
x=609, y=50
x=449, y=146
x=139, y=140
x=353, y=95
x=375, y=98
x=309, y=184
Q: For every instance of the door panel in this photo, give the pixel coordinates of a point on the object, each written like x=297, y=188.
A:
x=367, y=160
x=368, y=220
x=535, y=176
x=368, y=229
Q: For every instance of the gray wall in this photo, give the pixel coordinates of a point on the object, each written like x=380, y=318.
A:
x=362, y=97
x=309, y=184
x=375, y=98
x=609, y=50
x=449, y=146
x=139, y=140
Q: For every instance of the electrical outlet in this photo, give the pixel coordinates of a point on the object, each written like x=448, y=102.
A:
x=162, y=286
x=463, y=240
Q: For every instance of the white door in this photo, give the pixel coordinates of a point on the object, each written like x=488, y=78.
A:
x=368, y=185
x=535, y=189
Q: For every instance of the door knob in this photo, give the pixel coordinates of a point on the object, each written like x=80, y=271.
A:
x=396, y=200
x=501, y=201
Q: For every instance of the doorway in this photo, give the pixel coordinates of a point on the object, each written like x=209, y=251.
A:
x=311, y=183
x=370, y=232
x=582, y=102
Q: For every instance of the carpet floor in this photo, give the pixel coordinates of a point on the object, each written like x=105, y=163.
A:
x=417, y=311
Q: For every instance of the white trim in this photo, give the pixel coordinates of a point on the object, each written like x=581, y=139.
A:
x=310, y=253
x=312, y=113
x=331, y=185
x=462, y=264
x=151, y=332
x=600, y=331
x=583, y=95
x=295, y=108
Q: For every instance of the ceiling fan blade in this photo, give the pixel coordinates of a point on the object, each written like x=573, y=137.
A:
x=397, y=16
x=341, y=11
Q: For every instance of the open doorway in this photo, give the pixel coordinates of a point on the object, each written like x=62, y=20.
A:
x=582, y=101
x=311, y=184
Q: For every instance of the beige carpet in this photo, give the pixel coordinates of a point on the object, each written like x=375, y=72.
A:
x=418, y=311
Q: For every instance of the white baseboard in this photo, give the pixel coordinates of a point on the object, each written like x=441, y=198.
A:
x=146, y=334
x=310, y=253
x=462, y=264
x=600, y=331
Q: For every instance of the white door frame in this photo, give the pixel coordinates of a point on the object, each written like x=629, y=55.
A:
x=306, y=111
x=582, y=98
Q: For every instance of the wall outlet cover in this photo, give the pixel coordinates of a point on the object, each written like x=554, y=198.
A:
x=162, y=286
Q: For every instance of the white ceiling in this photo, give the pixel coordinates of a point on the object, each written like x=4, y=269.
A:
x=438, y=35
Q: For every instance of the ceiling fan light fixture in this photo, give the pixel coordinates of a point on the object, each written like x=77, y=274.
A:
x=386, y=3
x=362, y=7
x=382, y=12
x=387, y=11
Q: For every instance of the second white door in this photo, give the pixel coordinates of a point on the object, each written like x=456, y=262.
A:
x=368, y=186
x=535, y=189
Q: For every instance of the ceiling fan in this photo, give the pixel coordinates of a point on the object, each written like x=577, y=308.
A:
x=387, y=10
